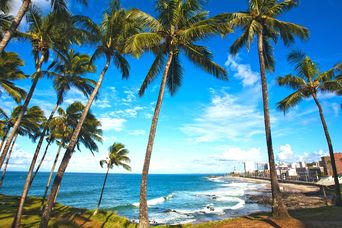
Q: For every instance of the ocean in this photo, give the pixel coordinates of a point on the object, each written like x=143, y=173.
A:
x=172, y=199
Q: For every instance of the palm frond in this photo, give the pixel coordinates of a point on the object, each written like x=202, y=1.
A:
x=290, y=101
x=155, y=69
x=291, y=81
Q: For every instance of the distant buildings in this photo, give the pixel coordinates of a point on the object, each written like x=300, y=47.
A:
x=326, y=163
x=296, y=171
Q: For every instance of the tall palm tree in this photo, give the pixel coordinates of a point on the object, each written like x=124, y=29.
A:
x=10, y=64
x=307, y=83
x=59, y=7
x=115, y=28
x=45, y=33
x=175, y=31
x=68, y=72
x=31, y=126
x=117, y=156
x=261, y=21
x=62, y=127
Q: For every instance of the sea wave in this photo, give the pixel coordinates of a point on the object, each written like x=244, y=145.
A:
x=158, y=200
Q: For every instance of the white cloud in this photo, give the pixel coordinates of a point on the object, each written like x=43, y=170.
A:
x=226, y=117
x=238, y=154
x=286, y=153
x=137, y=132
x=336, y=108
x=115, y=124
x=242, y=71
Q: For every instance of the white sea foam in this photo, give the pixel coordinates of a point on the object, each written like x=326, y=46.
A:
x=158, y=200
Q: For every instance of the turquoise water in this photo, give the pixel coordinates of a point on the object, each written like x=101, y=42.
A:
x=171, y=198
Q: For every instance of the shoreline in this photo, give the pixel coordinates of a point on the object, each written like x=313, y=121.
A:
x=66, y=216
x=296, y=196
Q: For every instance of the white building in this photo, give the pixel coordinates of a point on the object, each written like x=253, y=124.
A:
x=249, y=166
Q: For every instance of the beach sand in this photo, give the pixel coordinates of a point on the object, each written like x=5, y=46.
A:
x=295, y=196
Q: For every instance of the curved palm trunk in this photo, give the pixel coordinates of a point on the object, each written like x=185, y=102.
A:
x=16, y=222
x=8, y=158
x=40, y=163
x=51, y=173
x=40, y=142
x=23, y=110
x=69, y=151
x=8, y=34
x=143, y=208
x=279, y=209
x=103, y=186
x=331, y=153
x=4, y=139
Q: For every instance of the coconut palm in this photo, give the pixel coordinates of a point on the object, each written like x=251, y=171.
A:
x=10, y=64
x=45, y=33
x=115, y=28
x=175, y=31
x=117, y=156
x=62, y=127
x=31, y=126
x=261, y=21
x=307, y=82
x=59, y=7
x=67, y=72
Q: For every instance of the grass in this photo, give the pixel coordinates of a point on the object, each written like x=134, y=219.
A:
x=65, y=216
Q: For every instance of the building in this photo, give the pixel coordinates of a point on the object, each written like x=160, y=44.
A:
x=327, y=164
x=249, y=167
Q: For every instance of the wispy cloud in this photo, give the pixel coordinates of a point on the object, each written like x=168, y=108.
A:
x=243, y=72
x=226, y=117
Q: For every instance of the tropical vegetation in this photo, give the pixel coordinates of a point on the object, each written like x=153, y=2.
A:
x=308, y=82
x=117, y=156
x=261, y=21
x=177, y=32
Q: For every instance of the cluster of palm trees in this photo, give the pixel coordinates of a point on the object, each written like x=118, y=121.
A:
x=176, y=31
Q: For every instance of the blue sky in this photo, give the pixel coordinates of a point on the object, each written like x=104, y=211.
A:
x=209, y=126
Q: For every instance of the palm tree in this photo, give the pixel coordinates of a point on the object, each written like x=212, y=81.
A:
x=45, y=33
x=62, y=127
x=59, y=7
x=307, y=83
x=67, y=72
x=10, y=64
x=117, y=156
x=116, y=27
x=261, y=21
x=31, y=126
x=174, y=32
x=5, y=18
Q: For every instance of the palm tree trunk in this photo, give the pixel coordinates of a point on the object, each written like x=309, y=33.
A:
x=41, y=139
x=71, y=147
x=103, y=186
x=23, y=110
x=279, y=209
x=41, y=162
x=4, y=139
x=51, y=173
x=331, y=152
x=8, y=158
x=16, y=221
x=143, y=208
x=9, y=33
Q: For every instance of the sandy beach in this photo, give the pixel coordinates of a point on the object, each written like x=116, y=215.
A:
x=296, y=196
